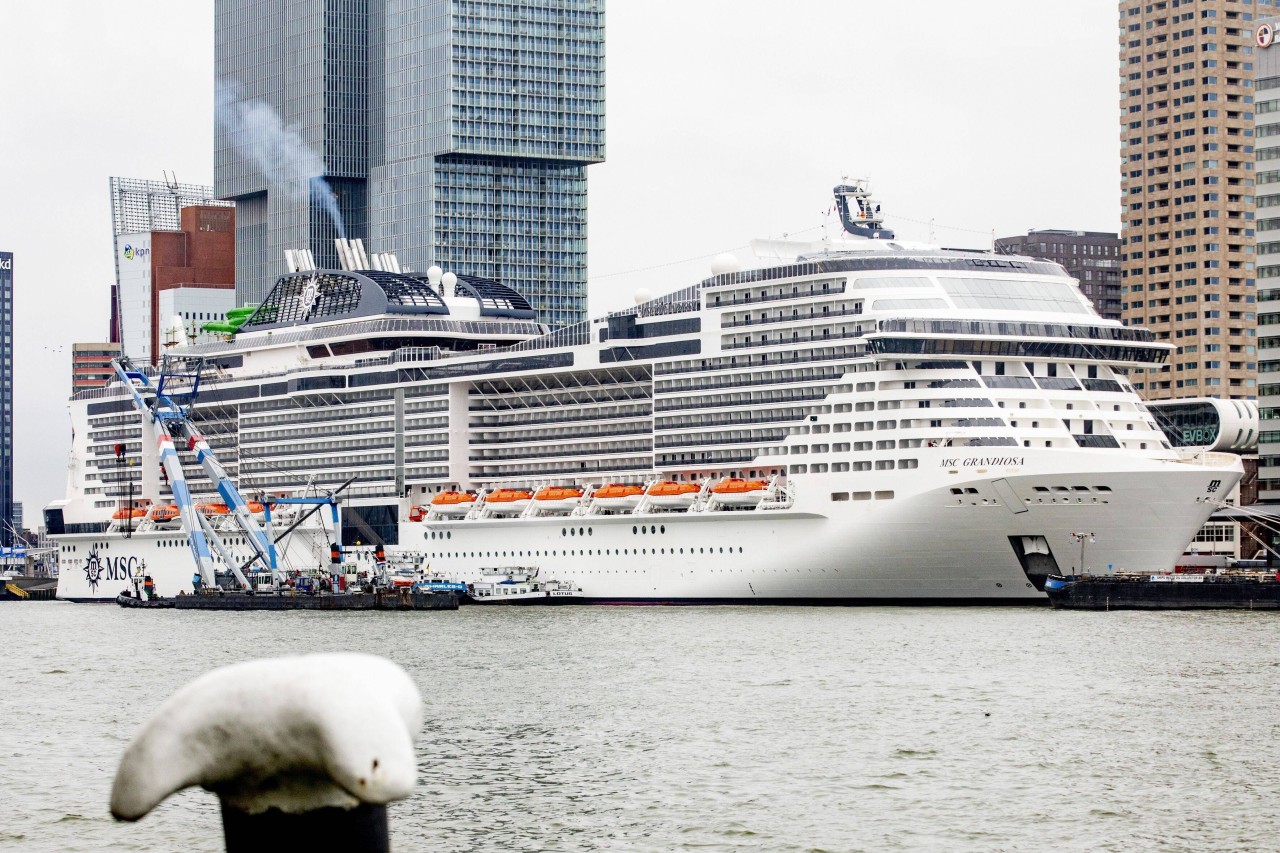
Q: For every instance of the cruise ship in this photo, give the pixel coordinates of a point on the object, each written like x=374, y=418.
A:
x=858, y=419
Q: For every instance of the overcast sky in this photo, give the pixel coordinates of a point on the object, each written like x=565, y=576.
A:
x=726, y=121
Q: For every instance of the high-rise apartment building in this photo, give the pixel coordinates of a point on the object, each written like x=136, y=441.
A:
x=1267, y=200
x=451, y=132
x=1090, y=257
x=1187, y=116
x=6, y=398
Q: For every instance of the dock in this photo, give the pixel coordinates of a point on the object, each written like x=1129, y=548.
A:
x=28, y=589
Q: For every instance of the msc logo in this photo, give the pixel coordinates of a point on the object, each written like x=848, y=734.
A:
x=140, y=252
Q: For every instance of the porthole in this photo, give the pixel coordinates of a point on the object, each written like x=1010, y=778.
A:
x=633, y=530
x=652, y=529
x=580, y=533
x=664, y=528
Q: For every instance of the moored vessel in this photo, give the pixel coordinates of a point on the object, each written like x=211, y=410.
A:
x=1226, y=590
x=886, y=422
x=521, y=587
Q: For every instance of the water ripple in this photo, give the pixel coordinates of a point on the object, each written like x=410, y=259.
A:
x=707, y=729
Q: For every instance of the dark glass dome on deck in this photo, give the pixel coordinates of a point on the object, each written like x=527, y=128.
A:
x=316, y=296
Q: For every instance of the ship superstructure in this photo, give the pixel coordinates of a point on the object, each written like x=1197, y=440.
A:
x=911, y=423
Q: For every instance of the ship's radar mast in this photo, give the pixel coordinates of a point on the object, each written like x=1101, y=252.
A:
x=859, y=213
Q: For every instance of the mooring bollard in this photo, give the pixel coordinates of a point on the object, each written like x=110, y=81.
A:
x=300, y=750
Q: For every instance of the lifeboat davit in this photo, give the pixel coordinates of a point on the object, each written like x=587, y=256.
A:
x=735, y=491
x=558, y=498
x=164, y=516
x=452, y=503
x=617, y=496
x=508, y=501
x=668, y=494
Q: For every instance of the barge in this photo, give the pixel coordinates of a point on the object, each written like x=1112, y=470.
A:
x=1229, y=590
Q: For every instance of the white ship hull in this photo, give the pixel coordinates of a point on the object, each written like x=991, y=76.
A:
x=99, y=566
x=931, y=545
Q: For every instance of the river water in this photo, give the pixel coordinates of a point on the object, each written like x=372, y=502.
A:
x=706, y=728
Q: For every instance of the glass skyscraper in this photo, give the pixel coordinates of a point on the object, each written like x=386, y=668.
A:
x=6, y=398
x=452, y=132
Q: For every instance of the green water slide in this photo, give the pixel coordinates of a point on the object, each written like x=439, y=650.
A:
x=236, y=318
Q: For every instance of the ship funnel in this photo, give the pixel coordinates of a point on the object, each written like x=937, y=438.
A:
x=299, y=260
x=346, y=255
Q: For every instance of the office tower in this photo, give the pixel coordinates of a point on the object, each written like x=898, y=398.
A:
x=451, y=133
x=1187, y=114
x=6, y=398
x=175, y=254
x=1090, y=257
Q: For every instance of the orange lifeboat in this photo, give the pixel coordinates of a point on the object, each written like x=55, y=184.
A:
x=617, y=496
x=452, y=503
x=558, y=498
x=668, y=494
x=125, y=513
x=735, y=491
x=508, y=501
x=212, y=509
x=164, y=515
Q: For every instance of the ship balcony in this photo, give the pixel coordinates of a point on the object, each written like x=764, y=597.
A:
x=794, y=317
x=491, y=421
x=778, y=339
x=553, y=435
x=744, y=401
x=731, y=382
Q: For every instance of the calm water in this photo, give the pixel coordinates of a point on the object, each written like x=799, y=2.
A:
x=707, y=728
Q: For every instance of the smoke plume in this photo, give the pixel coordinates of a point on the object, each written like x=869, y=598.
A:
x=258, y=134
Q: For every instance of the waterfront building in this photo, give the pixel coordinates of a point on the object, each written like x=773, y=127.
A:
x=1267, y=135
x=1090, y=257
x=6, y=398
x=91, y=365
x=167, y=236
x=451, y=134
x=1187, y=261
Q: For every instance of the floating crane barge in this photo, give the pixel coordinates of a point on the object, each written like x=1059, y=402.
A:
x=168, y=413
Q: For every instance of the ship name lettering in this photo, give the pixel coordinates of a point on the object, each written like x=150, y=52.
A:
x=118, y=568
x=984, y=462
